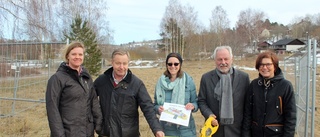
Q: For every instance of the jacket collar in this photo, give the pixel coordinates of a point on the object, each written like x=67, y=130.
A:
x=235, y=78
x=73, y=73
x=127, y=78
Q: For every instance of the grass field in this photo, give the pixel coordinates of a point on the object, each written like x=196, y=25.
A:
x=32, y=121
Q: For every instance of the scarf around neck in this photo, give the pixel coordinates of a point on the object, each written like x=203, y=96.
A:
x=223, y=92
x=177, y=87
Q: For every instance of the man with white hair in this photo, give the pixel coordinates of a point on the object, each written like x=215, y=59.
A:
x=222, y=93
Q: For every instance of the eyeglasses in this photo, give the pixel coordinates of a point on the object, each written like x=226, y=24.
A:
x=268, y=65
x=175, y=64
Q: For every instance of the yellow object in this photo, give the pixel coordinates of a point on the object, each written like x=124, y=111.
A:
x=208, y=130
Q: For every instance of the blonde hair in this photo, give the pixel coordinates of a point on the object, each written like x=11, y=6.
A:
x=70, y=47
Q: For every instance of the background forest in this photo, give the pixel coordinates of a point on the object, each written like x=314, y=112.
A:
x=49, y=20
x=27, y=26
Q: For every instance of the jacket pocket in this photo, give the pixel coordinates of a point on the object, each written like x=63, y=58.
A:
x=128, y=105
x=279, y=105
x=274, y=130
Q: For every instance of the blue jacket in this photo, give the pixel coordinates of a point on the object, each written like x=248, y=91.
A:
x=190, y=97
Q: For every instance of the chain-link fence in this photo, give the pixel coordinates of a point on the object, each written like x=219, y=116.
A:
x=24, y=71
x=26, y=67
x=305, y=77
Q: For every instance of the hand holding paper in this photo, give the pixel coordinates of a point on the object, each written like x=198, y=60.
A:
x=175, y=113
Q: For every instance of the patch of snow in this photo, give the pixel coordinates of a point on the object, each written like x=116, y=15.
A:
x=245, y=68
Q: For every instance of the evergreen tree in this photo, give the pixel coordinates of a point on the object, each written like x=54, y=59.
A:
x=82, y=33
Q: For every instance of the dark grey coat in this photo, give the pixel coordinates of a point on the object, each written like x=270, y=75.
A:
x=72, y=105
x=208, y=104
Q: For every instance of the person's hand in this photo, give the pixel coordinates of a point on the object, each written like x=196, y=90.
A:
x=214, y=122
x=189, y=106
x=160, y=109
x=160, y=134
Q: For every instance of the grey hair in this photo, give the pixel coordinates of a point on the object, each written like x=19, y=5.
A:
x=120, y=52
x=222, y=47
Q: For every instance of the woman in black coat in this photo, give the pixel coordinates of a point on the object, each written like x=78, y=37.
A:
x=72, y=105
x=270, y=108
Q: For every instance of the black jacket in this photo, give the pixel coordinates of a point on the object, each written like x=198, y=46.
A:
x=270, y=111
x=72, y=105
x=120, y=105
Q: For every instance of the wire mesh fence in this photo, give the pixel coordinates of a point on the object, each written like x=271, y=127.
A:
x=26, y=67
x=24, y=70
x=305, y=77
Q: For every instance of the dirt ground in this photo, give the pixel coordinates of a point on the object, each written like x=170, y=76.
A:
x=196, y=69
x=33, y=122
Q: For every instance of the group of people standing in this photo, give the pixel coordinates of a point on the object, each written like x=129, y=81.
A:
x=77, y=106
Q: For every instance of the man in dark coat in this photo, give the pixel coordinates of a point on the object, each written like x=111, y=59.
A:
x=222, y=93
x=121, y=93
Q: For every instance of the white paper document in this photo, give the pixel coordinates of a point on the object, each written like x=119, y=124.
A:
x=175, y=113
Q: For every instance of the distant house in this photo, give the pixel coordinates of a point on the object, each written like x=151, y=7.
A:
x=287, y=45
x=263, y=46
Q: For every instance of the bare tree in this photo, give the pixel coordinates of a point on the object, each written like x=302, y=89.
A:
x=38, y=19
x=316, y=31
x=219, y=23
x=174, y=37
x=277, y=32
x=11, y=16
x=317, y=19
x=93, y=10
x=250, y=25
x=45, y=20
x=186, y=19
x=302, y=27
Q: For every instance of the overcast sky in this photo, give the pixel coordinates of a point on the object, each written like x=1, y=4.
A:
x=138, y=20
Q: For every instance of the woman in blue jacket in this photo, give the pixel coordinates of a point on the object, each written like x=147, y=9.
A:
x=176, y=86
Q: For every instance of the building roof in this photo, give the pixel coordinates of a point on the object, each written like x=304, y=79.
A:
x=264, y=44
x=288, y=42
